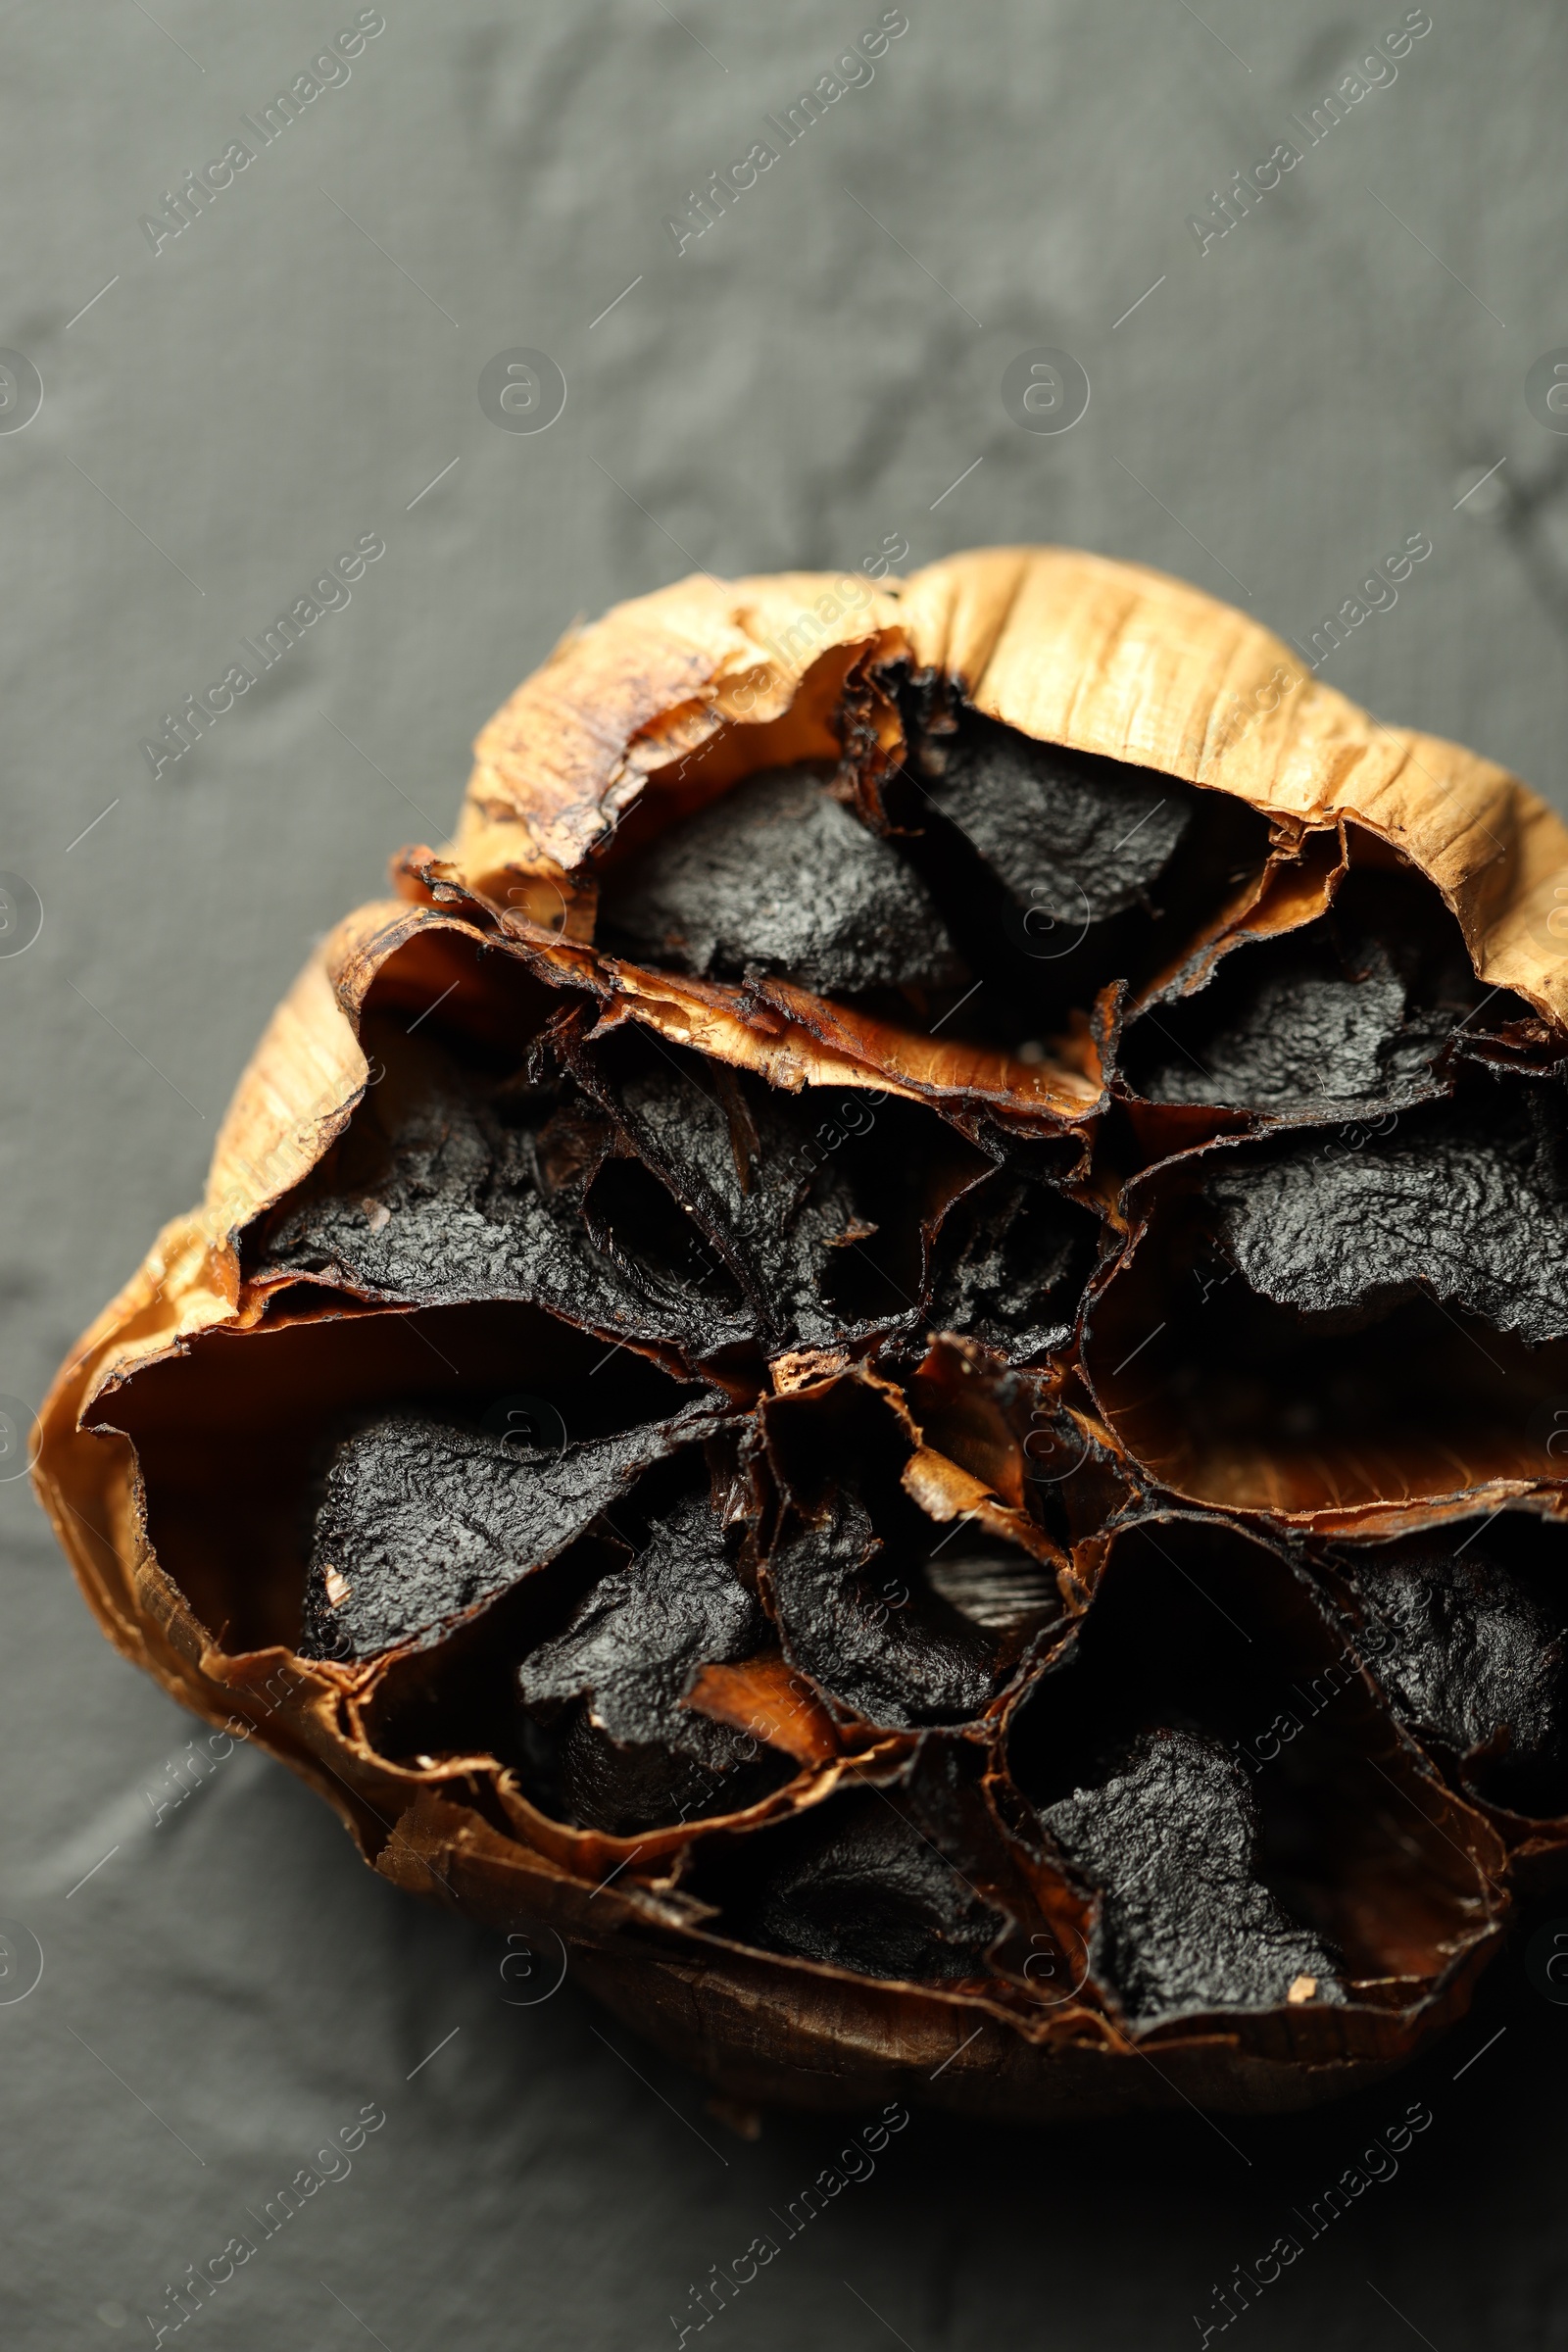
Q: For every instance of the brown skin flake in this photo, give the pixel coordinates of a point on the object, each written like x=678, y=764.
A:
x=892, y=1351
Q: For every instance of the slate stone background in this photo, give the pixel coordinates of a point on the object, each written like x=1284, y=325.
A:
x=801, y=385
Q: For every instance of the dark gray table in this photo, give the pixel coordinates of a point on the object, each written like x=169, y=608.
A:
x=816, y=374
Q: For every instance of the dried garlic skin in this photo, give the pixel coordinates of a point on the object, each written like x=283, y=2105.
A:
x=891, y=1352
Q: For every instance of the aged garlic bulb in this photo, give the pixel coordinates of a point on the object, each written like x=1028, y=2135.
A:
x=891, y=1350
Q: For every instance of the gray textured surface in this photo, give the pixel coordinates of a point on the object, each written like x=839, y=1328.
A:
x=792, y=389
